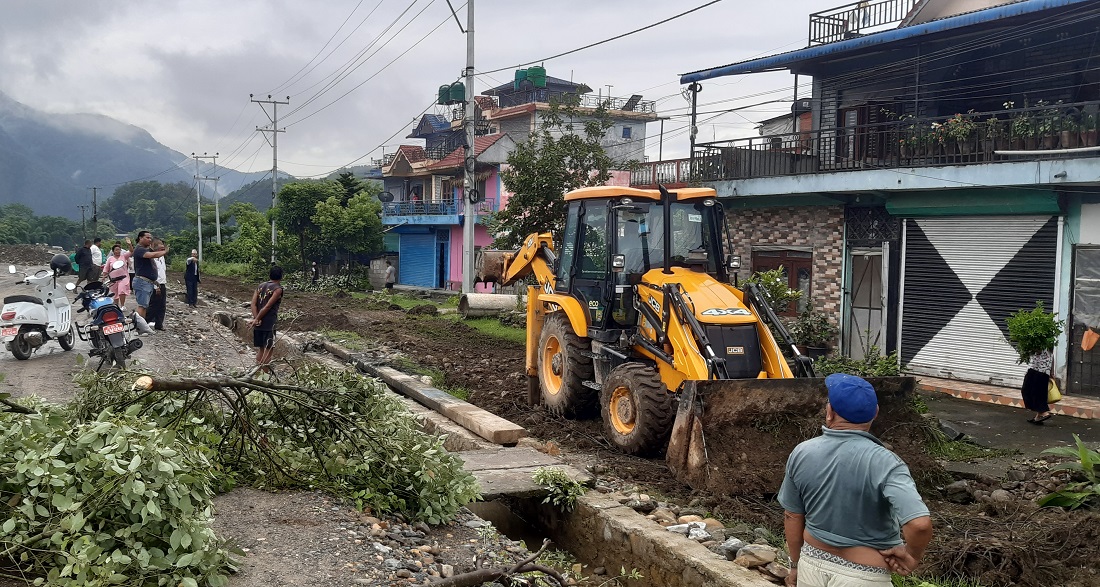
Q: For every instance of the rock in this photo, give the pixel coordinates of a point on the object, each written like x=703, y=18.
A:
x=1017, y=475
x=713, y=524
x=446, y=571
x=777, y=570
x=663, y=515
x=698, y=533
x=755, y=555
x=393, y=564
x=404, y=573
x=680, y=529
x=689, y=519
x=958, y=492
x=763, y=534
x=729, y=548
x=951, y=430
x=1000, y=495
x=599, y=571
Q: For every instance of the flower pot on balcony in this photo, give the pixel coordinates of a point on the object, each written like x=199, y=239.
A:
x=1069, y=139
x=988, y=146
x=1049, y=141
x=1031, y=143
x=965, y=147
x=1088, y=138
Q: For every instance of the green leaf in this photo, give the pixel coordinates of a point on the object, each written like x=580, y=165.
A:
x=188, y=582
x=184, y=560
x=9, y=525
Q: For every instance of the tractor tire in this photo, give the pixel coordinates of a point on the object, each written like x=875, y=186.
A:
x=68, y=340
x=563, y=369
x=20, y=348
x=637, y=410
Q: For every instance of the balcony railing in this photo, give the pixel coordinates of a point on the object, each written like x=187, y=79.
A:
x=634, y=103
x=445, y=207
x=652, y=173
x=1043, y=132
x=857, y=19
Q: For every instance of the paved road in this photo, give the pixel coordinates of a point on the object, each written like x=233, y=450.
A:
x=1006, y=427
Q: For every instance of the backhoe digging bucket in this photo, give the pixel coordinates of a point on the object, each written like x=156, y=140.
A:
x=489, y=265
x=734, y=436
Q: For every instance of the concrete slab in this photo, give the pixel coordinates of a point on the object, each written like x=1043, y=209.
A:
x=506, y=458
x=509, y=472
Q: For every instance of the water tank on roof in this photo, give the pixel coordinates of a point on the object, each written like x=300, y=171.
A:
x=458, y=92
x=521, y=76
x=537, y=75
x=444, y=94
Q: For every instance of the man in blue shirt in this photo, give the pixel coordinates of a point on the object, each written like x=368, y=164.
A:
x=851, y=512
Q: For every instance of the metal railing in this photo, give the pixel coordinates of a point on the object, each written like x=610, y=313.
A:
x=546, y=96
x=857, y=19
x=1040, y=132
x=444, y=207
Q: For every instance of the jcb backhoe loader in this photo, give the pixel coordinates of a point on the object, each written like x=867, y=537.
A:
x=636, y=313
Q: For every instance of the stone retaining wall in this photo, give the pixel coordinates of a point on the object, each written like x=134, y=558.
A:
x=604, y=533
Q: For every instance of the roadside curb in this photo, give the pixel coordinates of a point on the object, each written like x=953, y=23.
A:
x=481, y=422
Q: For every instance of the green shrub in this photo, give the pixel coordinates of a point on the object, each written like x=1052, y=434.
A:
x=773, y=286
x=563, y=490
x=1033, y=331
x=113, y=500
x=873, y=364
x=1084, y=493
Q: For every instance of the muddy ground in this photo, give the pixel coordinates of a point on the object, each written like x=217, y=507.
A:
x=998, y=544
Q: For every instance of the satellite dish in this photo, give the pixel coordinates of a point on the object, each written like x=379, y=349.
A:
x=385, y=197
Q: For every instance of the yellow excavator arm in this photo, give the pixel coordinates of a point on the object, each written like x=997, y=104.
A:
x=536, y=257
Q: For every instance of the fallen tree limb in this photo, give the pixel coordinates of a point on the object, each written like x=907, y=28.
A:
x=481, y=576
x=14, y=407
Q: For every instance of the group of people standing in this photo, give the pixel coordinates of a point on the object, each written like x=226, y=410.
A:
x=139, y=270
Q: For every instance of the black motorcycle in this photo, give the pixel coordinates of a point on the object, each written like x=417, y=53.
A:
x=108, y=331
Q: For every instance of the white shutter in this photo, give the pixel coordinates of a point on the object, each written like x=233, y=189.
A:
x=962, y=276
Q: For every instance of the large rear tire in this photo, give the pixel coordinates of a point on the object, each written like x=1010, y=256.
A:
x=118, y=355
x=68, y=340
x=20, y=348
x=563, y=369
x=636, y=409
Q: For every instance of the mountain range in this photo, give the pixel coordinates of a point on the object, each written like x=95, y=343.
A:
x=48, y=161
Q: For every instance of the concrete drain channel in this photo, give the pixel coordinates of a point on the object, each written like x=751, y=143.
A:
x=599, y=532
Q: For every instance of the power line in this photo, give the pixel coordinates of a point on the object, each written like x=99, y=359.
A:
x=294, y=78
x=597, y=43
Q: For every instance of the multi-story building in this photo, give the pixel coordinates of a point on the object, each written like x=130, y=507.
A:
x=948, y=177
x=427, y=211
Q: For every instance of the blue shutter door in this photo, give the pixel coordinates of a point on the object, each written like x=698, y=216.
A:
x=417, y=260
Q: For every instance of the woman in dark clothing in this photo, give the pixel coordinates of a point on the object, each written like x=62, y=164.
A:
x=1036, y=381
x=191, y=278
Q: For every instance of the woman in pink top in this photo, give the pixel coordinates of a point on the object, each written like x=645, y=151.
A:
x=120, y=288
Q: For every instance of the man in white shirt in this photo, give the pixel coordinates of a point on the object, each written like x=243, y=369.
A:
x=97, y=255
x=159, y=302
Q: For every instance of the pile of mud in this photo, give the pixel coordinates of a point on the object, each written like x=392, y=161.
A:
x=737, y=434
x=28, y=254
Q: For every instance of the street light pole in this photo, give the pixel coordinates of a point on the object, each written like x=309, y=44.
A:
x=469, y=183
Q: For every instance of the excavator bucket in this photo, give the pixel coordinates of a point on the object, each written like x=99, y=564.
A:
x=733, y=436
x=489, y=265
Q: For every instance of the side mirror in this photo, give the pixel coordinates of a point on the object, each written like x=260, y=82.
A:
x=733, y=261
x=118, y=265
x=70, y=286
x=618, y=263
x=11, y=268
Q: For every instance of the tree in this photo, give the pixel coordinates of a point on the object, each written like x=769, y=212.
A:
x=294, y=210
x=351, y=185
x=550, y=163
x=151, y=205
x=355, y=228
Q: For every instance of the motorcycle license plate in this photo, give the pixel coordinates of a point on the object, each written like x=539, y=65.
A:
x=113, y=328
x=9, y=331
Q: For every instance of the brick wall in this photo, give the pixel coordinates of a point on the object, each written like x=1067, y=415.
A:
x=818, y=227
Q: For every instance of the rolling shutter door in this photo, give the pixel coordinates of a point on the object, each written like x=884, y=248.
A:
x=962, y=278
x=417, y=260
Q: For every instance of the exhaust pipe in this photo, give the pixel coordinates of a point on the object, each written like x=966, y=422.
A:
x=34, y=339
x=132, y=346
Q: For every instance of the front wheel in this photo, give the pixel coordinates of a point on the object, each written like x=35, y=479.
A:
x=563, y=369
x=67, y=340
x=20, y=347
x=636, y=409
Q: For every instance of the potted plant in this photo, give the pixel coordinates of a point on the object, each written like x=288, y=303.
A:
x=773, y=286
x=1088, y=130
x=1023, y=129
x=1048, y=124
x=959, y=130
x=1033, y=331
x=993, y=133
x=812, y=333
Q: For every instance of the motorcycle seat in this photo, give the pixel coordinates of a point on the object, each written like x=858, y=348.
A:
x=28, y=299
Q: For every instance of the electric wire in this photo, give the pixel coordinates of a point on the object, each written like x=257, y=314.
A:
x=294, y=78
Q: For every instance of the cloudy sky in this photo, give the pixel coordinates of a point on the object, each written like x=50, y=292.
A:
x=184, y=70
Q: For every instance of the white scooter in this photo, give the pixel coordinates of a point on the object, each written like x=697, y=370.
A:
x=28, y=322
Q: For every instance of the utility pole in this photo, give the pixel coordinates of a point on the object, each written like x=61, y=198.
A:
x=83, y=227
x=217, y=197
x=274, y=142
x=198, y=197
x=694, y=88
x=95, y=215
x=469, y=184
